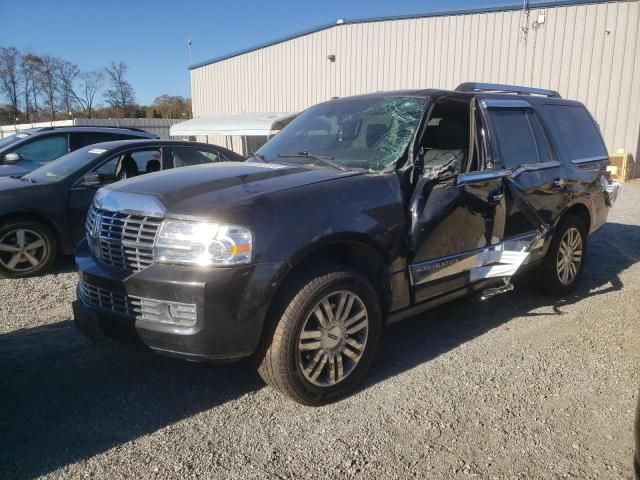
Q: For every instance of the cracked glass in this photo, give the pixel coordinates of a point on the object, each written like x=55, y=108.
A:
x=368, y=133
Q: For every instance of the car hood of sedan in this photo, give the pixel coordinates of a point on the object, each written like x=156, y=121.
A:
x=197, y=191
x=14, y=185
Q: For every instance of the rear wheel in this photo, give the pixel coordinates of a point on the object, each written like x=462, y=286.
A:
x=326, y=336
x=26, y=248
x=563, y=264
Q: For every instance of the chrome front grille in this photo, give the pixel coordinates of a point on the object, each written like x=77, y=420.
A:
x=147, y=309
x=102, y=299
x=121, y=240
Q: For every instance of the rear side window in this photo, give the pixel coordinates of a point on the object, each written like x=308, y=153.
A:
x=82, y=139
x=575, y=131
x=185, y=156
x=147, y=161
x=521, y=140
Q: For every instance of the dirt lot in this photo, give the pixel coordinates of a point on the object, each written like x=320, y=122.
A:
x=522, y=386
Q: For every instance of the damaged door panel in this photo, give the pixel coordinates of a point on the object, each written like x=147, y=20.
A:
x=452, y=226
x=521, y=145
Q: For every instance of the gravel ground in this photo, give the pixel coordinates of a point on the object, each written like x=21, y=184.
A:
x=521, y=386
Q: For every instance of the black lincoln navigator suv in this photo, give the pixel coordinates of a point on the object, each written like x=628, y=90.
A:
x=363, y=211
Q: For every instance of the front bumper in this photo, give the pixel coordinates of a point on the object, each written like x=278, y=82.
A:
x=230, y=303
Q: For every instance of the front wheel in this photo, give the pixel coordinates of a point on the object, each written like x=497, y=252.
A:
x=326, y=336
x=26, y=248
x=563, y=264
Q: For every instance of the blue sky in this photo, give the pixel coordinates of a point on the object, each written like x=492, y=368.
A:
x=151, y=36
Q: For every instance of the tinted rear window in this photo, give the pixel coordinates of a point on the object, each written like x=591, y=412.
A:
x=515, y=137
x=575, y=131
x=82, y=139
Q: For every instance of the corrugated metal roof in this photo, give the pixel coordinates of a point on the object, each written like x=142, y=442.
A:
x=439, y=13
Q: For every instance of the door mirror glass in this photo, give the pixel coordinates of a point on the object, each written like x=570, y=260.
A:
x=11, y=158
x=91, y=180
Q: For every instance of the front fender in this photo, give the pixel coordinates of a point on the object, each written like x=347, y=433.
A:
x=366, y=208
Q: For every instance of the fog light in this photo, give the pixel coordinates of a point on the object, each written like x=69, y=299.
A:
x=173, y=313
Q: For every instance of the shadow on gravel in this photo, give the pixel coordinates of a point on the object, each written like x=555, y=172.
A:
x=64, y=399
x=63, y=265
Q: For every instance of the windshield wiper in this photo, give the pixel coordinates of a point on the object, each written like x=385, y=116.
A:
x=321, y=158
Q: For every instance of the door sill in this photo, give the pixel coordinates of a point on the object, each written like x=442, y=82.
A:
x=421, y=307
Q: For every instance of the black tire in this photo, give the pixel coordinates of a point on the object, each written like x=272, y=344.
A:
x=281, y=364
x=33, y=233
x=547, y=276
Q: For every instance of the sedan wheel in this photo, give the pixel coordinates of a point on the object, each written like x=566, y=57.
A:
x=26, y=248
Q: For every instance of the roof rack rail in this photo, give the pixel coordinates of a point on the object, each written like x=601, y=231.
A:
x=93, y=126
x=499, y=88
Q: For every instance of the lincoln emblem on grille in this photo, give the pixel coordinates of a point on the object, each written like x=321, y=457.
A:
x=96, y=225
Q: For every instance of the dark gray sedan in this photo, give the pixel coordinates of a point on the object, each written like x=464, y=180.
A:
x=42, y=214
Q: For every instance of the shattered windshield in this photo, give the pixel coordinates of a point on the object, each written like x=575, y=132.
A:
x=369, y=133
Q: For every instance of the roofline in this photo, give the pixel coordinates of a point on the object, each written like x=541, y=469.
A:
x=440, y=13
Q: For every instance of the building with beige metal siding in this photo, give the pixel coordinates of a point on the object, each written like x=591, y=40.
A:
x=589, y=51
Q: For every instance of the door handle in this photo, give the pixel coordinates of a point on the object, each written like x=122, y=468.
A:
x=495, y=197
x=559, y=183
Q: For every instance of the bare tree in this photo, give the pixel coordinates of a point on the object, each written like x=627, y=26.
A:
x=44, y=85
x=31, y=86
x=90, y=84
x=10, y=77
x=47, y=79
x=121, y=95
x=66, y=75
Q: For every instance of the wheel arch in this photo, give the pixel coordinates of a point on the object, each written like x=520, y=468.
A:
x=355, y=251
x=26, y=216
x=580, y=210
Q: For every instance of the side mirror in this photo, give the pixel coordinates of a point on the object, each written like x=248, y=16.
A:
x=11, y=158
x=91, y=179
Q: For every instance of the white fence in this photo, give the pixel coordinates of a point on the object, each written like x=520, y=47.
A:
x=159, y=126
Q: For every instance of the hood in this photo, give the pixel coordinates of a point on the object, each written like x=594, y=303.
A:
x=15, y=186
x=18, y=195
x=19, y=169
x=199, y=190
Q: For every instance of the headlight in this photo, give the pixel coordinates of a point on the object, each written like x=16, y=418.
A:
x=196, y=243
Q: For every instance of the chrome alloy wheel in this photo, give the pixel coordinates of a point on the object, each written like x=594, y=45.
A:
x=22, y=250
x=569, y=256
x=333, y=338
